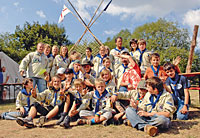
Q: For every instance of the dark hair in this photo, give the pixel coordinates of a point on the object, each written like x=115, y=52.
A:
x=117, y=38
x=155, y=82
x=154, y=55
x=88, y=48
x=168, y=66
x=68, y=71
x=26, y=81
x=133, y=41
x=125, y=53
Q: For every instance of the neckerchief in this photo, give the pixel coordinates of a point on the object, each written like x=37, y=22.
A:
x=75, y=73
x=125, y=67
x=141, y=54
x=91, y=58
x=101, y=61
x=55, y=95
x=138, y=100
x=28, y=96
x=155, y=72
x=119, y=50
x=64, y=58
x=153, y=104
x=78, y=96
x=131, y=53
x=1, y=77
x=107, y=82
x=99, y=98
x=174, y=82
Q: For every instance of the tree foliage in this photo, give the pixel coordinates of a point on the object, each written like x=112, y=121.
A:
x=25, y=39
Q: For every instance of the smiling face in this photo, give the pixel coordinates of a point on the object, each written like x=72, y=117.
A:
x=79, y=87
x=100, y=87
x=88, y=52
x=141, y=46
x=47, y=50
x=40, y=48
x=142, y=92
x=102, y=51
x=171, y=73
x=56, y=82
x=76, y=66
x=106, y=76
x=134, y=45
x=119, y=43
x=87, y=68
x=151, y=90
x=155, y=61
x=29, y=84
x=107, y=63
x=54, y=50
x=64, y=51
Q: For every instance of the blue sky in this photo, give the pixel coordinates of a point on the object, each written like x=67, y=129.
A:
x=126, y=14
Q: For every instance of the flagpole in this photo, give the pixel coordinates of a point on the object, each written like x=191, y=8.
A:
x=88, y=25
x=84, y=23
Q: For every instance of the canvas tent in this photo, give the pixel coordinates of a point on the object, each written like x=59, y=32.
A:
x=12, y=68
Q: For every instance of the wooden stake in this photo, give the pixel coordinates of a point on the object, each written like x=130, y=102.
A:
x=192, y=47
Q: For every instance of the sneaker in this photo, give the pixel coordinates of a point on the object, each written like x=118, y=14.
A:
x=27, y=122
x=151, y=130
x=66, y=122
x=41, y=121
x=105, y=123
x=61, y=119
x=83, y=122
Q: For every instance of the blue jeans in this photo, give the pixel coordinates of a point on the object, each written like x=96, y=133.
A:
x=139, y=122
x=123, y=89
x=41, y=84
x=178, y=114
x=13, y=115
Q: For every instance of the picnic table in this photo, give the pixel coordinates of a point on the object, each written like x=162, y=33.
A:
x=191, y=76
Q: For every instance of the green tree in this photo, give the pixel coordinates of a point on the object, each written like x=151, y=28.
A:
x=25, y=39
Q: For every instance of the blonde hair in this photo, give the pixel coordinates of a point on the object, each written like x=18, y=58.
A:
x=78, y=82
x=61, y=51
x=107, y=58
x=141, y=41
x=47, y=46
x=105, y=71
x=102, y=47
x=99, y=80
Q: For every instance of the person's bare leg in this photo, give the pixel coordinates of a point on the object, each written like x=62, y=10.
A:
x=32, y=112
x=53, y=112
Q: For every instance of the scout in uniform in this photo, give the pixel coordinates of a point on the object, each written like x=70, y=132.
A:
x=154, y=111
x=51, y=98
x=62, y=60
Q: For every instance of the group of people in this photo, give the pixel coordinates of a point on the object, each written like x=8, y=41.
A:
x=113, y=87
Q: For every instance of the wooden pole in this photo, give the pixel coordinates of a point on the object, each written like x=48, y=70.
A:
x=84, y=24
x=87, y=26
x=192, y=47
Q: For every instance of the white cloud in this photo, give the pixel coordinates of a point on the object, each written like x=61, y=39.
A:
x=110, y=32
x=16, y=4
x=192, y=17
x=57, y=1
x=3, y=9
x=41, y=14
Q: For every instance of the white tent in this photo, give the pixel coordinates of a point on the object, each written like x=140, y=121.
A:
x=12, y=68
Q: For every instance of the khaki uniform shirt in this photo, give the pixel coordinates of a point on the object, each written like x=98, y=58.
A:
x=34, y=63
x=21, y=100
x=165, y=104
x=62, y=63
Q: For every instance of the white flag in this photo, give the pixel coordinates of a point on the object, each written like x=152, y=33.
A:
x=65, y=11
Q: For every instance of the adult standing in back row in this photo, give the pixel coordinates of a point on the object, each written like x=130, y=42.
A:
x=118, y=50
x=37, y=67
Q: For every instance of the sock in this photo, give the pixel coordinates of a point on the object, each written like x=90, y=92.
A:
x=93, y=121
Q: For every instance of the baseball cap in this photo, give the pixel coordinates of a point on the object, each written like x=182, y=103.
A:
x=142, y=85
x=61, y=71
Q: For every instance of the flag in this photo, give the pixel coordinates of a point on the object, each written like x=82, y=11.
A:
x=107, y=5
x=65, y=11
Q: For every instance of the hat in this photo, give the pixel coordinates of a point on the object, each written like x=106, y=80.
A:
x=142, y=85
x=61, y=71
x=87, y=62
x=76, y=61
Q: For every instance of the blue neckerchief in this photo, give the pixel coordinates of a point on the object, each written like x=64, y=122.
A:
x=131, y=53
x=55, y=95
x=153, y=104
x=72, y=61
x=91, y=58
x=155, y=72
x=75, y=73
x=99, y=98
x=175, y=84
x=48, y=56
x=125, y=67
x=64, y=58
x=141, y=54
x=107, y=82
x=1, y=77
x=98, y=55
x=108, y=69
x=119, y=50
x=79, y=97
x=28, y=96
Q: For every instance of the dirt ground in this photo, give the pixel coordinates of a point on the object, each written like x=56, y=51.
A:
x=179, y=129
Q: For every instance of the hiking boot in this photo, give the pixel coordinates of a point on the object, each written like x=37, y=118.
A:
x=151, y=130
x=126, y=122
x=41, y=121
x=27, y=122
x=83, y=122
x=66, y=122
x=61, y=119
